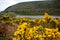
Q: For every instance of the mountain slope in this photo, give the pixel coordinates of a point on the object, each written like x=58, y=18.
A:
x=35, y=8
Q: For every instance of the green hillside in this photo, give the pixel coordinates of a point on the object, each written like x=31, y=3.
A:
x=35, y=8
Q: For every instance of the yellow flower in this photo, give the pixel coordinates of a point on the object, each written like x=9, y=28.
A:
x=30, y=32
x=37, y=31
x=49, y=35
x=56, y=29
x=46, y=32
x=29, y=37
x=16, y=33
x=44, y=21
x=22, y=25
x=53, y=36
x=37, y=36
x=14, y=39
x=56, y=21
x=41, y=38
x=22, y=32
x=46, y=15
x=36, y=28
x=47, y=29
x=58, y=34
x=25, y=23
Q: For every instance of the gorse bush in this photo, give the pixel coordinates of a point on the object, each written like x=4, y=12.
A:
x=37, y=29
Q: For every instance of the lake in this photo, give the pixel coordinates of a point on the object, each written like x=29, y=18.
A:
x=38, y=16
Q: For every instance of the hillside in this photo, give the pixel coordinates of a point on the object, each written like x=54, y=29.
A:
x=35, y=8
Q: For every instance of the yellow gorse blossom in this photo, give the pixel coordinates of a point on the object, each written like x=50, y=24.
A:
x=34, y=29
x=46, y=16
x=56, y=21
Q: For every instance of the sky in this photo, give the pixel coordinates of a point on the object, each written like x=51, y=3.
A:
x=6, y=3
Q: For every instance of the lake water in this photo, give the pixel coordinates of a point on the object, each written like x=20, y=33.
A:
x=31, y=16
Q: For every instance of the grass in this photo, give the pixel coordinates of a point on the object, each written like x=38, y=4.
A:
x=4, y=38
